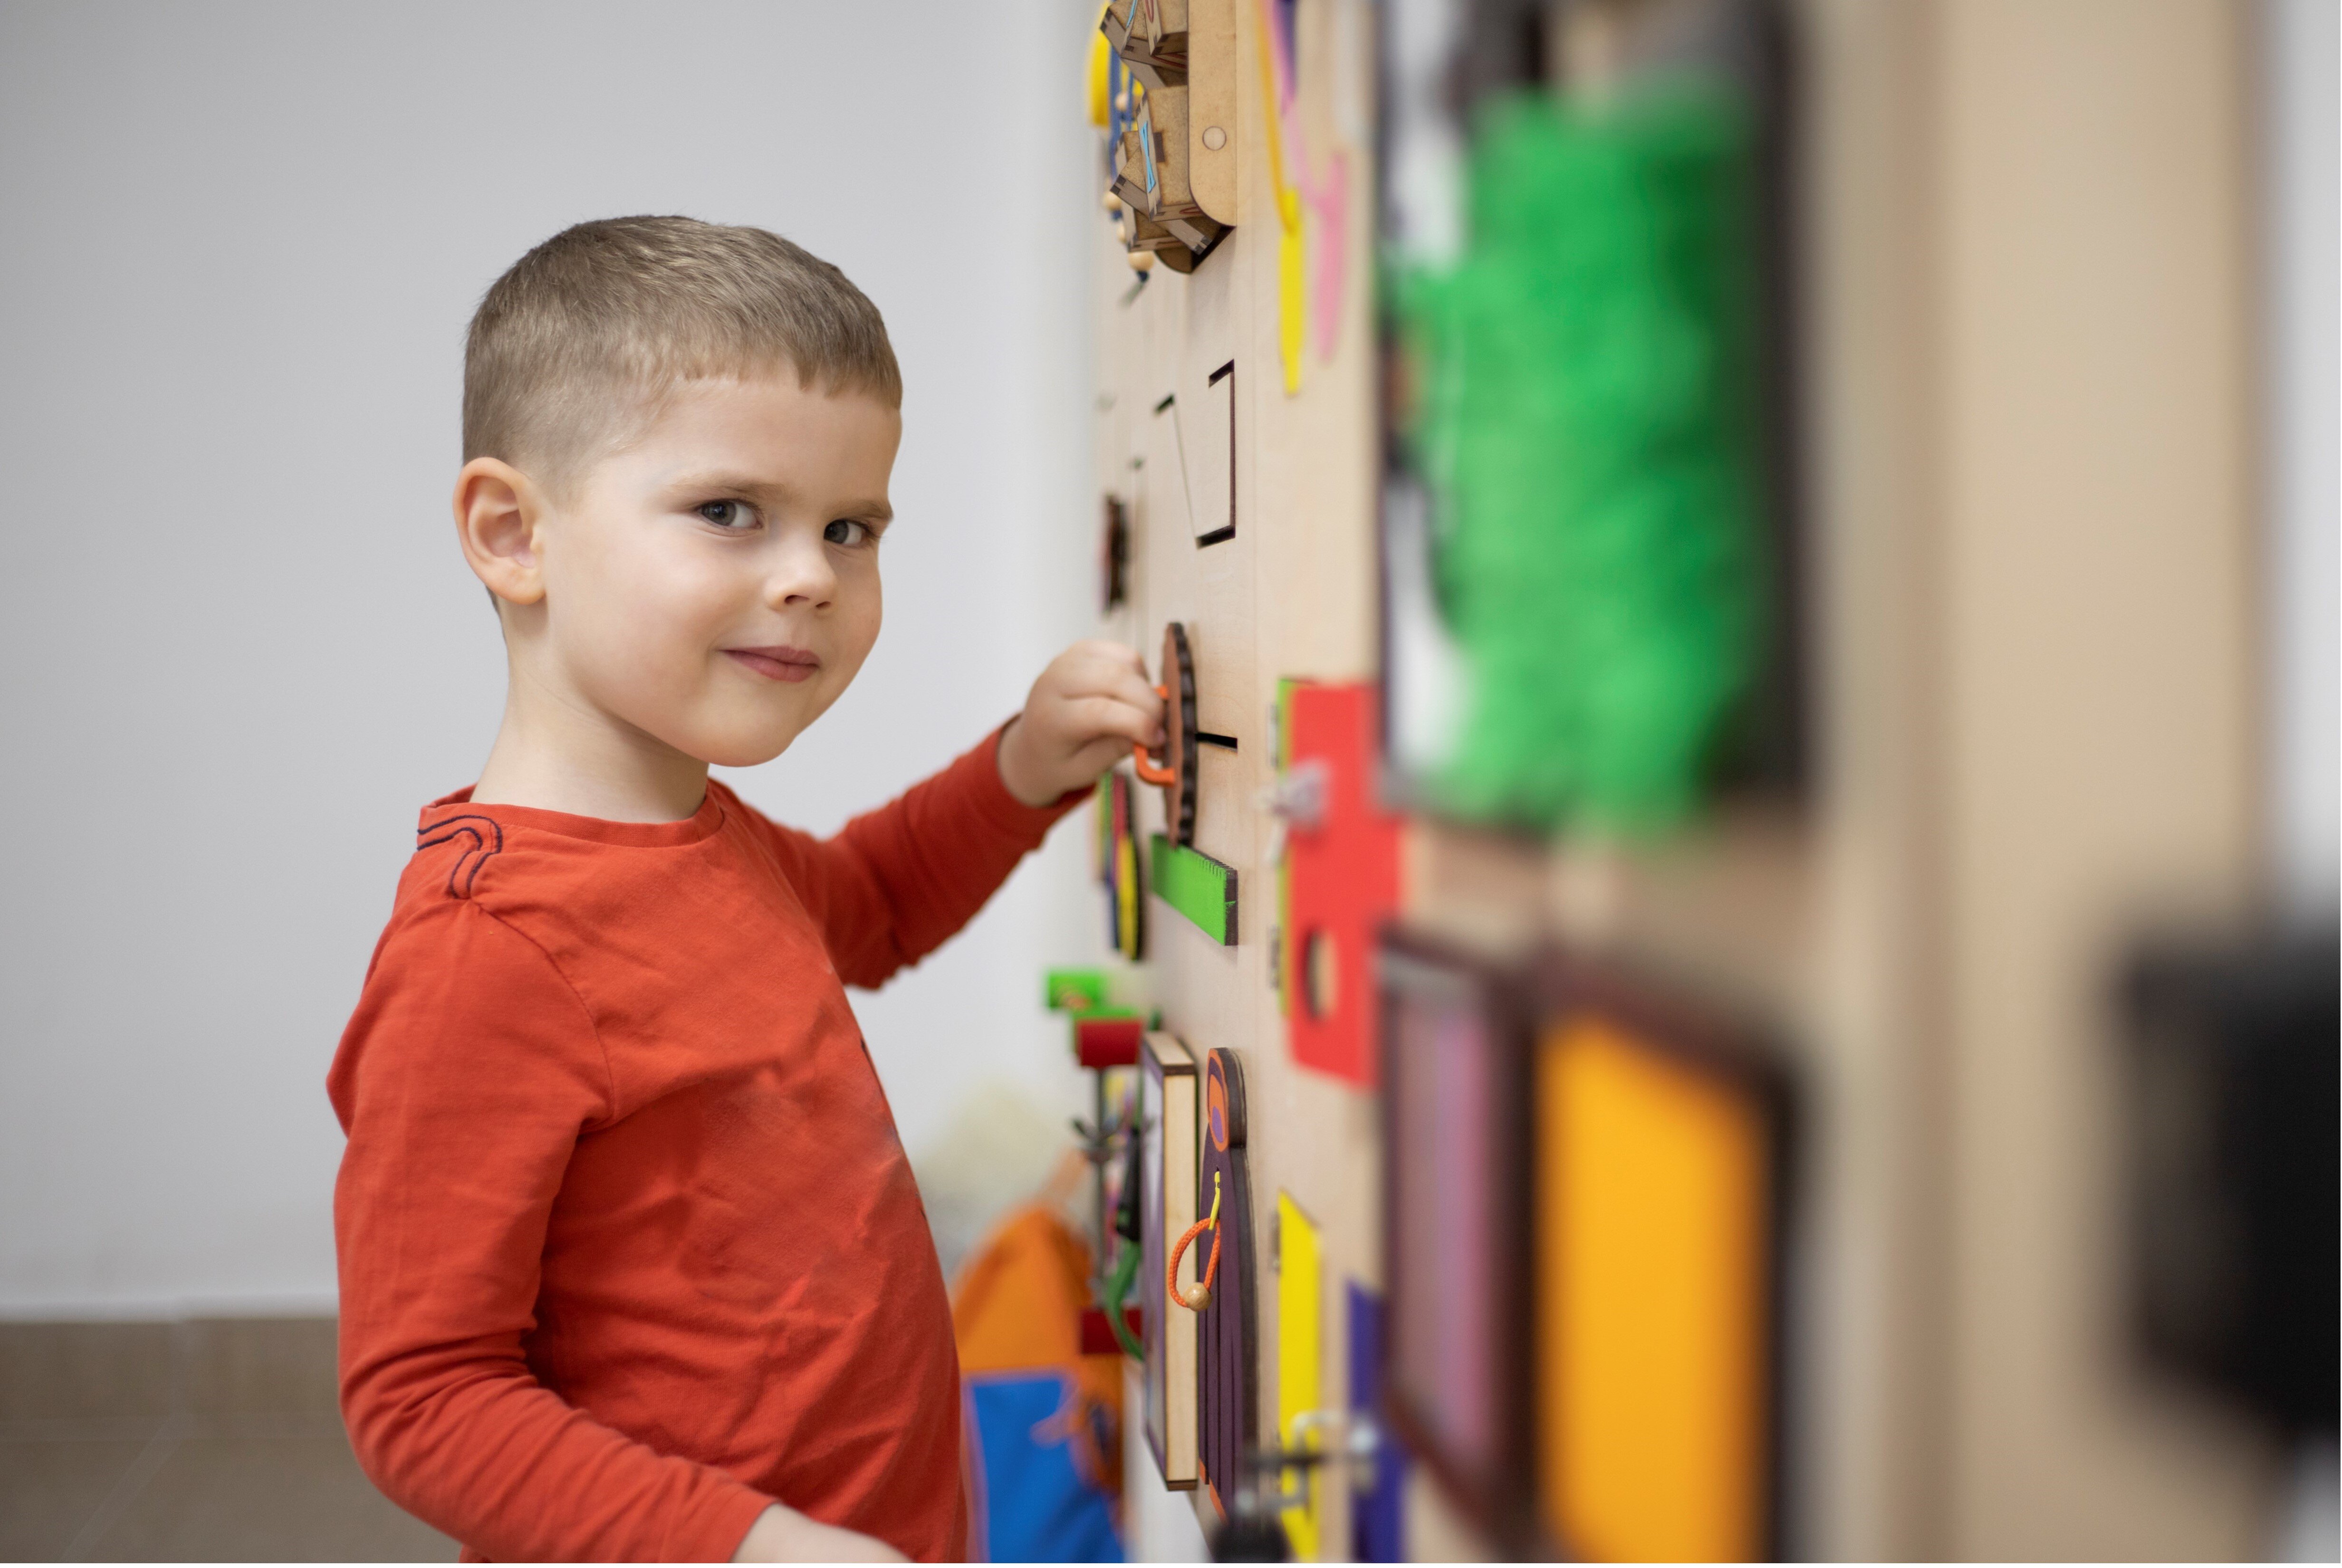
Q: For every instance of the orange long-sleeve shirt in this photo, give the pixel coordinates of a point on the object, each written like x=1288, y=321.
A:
x=628, y=1244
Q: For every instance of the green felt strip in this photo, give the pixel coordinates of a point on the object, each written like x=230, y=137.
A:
x=1198, y=887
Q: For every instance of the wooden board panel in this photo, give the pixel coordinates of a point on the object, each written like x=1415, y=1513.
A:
x=1290, y=592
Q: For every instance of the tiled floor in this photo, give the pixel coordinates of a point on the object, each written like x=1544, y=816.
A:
x=194, y=1442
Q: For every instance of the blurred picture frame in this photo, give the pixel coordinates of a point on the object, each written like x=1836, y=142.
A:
x=1456, y=1217
x=1589, y=1192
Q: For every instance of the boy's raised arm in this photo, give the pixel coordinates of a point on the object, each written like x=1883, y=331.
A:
x=464, y=1084
x=894, y=884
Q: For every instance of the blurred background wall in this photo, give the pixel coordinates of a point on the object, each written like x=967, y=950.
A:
x=239, y=648
x=2301, y=251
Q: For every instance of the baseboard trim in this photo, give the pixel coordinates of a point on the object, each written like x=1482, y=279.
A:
x=167, y=1309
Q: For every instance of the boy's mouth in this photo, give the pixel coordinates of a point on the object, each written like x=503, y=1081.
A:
x=779, y=662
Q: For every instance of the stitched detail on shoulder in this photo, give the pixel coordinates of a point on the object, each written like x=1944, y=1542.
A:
x=488, y=840
x=609, y=1078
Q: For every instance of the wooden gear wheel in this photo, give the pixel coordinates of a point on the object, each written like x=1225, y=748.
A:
x=1176, y=775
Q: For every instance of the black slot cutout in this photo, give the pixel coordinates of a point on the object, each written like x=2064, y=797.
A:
x=1221, y=536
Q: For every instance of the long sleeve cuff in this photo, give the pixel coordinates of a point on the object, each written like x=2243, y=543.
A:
x=1027, y=825
x=714, y=1530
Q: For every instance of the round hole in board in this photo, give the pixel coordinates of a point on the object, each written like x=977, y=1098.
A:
x=1320, y=974
x=1215, y=138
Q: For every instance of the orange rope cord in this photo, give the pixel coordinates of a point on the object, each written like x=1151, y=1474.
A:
x=1202, y=1297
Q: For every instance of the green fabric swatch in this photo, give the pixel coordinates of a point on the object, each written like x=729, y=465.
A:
x=1587, y=423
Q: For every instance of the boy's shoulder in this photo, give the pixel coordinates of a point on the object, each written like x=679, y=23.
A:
x=595, y=935
x=587, y=891
x=509, y=859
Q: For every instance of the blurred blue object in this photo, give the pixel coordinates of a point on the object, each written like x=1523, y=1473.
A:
x=1031, y=1502
x=1375, y=1528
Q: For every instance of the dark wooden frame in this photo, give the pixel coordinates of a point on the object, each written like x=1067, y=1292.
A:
x=1517, y=1000
x=1769, y=749
x=1501, y=1503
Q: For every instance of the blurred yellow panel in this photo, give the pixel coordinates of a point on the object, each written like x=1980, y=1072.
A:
x=1650, y=1302
x=1095, y=76
x=1297, y=1322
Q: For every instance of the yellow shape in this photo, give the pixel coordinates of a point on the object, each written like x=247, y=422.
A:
x=1292, y=305
x=1291, y=276
x=1297, y=1323
x=1651, y=1309
x=1125, y=893
x=1097, y=75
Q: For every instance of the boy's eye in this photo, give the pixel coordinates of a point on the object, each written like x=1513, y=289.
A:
x=845, y=531
x=726, y=513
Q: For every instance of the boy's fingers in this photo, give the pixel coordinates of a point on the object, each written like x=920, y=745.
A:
x=1104, y=667
x=1099, y=755
x=1100, y=716
x=1116, y=655
x=1091, y=676
x=1137, y=693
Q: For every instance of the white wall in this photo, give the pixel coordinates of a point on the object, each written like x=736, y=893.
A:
x=239, y=245
x=2301, y=61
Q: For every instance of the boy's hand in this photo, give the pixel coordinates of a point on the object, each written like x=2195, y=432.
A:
x=1089, y=707
x=782, y=1534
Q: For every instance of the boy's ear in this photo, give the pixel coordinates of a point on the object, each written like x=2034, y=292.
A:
x=497, y=513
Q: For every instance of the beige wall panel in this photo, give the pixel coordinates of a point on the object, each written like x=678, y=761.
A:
x=1873, y=1477
x=2093, y=295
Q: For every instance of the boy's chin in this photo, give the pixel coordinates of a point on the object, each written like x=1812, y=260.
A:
x=732, y=735
x=743, y=749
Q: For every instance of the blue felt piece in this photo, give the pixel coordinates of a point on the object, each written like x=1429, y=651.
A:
x=1033, y=1505
x=1375, y=1526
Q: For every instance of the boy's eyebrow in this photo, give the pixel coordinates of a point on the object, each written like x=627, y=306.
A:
x=872, y=511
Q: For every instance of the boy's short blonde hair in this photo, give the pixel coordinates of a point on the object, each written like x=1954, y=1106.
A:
x=579, y=344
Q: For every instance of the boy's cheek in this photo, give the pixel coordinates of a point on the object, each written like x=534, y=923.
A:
x=648, y=653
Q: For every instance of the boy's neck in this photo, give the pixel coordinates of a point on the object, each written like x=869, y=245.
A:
x=558, y=754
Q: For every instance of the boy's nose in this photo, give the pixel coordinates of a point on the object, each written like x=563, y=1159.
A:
x=802, y=581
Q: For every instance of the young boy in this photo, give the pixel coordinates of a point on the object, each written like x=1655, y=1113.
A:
x=632, y=1263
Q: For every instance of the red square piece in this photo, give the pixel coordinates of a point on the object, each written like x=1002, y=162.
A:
x=1097, y=1330
x=1108, y=1041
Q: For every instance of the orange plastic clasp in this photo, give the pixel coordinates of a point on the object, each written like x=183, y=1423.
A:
x=1149, y=772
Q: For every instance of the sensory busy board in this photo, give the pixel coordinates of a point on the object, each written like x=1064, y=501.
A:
x=1621, y=517
x=1301, y=1161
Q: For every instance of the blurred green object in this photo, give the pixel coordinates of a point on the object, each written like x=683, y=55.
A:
x=1587, y=422
x=1074, y=989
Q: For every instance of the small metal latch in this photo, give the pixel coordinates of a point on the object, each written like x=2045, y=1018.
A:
x=1297, y=799
x=1298, y=796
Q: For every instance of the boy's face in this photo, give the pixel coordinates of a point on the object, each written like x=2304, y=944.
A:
x=715, y=585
